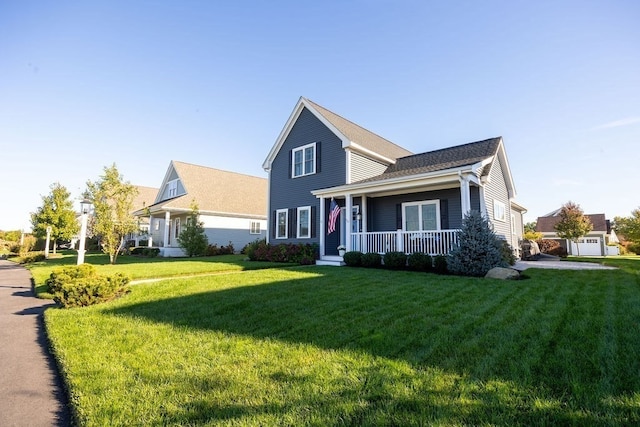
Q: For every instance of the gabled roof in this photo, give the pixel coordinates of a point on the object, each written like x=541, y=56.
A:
x=480, y=152
x=352, y=135
x=216, y=192
x=145, y=197
x=546, y=224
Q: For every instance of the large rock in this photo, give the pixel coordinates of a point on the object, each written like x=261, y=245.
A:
x=502, y=274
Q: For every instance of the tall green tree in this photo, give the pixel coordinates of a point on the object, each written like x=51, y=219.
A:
x=573, y=224
x=112, y=199
x=193, y=239
x=629, y=227
x=56, y=212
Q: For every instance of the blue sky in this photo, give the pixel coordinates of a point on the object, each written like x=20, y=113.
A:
x=139, y=83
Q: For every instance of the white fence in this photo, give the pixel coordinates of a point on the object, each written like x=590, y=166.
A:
x=430, y=242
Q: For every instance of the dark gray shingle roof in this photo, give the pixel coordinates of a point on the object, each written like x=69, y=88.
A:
x=446, y=158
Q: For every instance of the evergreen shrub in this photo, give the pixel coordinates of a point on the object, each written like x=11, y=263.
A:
x=353, y=258
x=419, y=261
x=80, y=286
x=395, y=260
x=440, y=264
x=371, y=260
x=479, y=249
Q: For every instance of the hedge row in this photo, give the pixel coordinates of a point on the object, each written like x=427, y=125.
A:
x=397, y=261
x=260, y=250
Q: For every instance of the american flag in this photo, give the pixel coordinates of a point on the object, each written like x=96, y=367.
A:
x=334, y=212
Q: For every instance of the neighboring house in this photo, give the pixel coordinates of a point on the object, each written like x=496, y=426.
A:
x=232, y=207
x=596, y=242
x=145, y=197
x=388, y=198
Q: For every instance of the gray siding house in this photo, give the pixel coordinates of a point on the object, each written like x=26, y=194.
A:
x=389, y=199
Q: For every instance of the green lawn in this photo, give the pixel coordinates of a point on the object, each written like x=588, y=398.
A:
x=348, y=346
x=143, y=268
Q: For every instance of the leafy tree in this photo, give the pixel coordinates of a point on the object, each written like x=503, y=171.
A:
x=530, y=227
x=480, y=249
x=629, y=227
x=113, y=202
x=56, y=212
x=573, y=224
x=192, y=237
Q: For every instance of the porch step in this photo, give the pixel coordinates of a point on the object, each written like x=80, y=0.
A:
x=335, y=261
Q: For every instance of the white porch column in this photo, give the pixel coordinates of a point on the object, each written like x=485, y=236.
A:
x=321, y=229
x=348, y=220
x=167, y=228
x=465, y=195
x=363, y=223
x=150, y=233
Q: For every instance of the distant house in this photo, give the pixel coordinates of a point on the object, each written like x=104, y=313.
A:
x=145, y=197
x=594, y=243
x=388, y=199
x=232, y=207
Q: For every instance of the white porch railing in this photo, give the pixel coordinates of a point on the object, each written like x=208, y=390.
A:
x=439, y=242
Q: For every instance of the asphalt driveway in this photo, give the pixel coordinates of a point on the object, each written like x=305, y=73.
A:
x=31, y=393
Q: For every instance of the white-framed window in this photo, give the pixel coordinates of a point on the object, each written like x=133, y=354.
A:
x=156, y=224
x=172, y=188
x=303, y=160
x=177, y=227
x=499, y=211
x=254, y=228
x=304, y=222
x=421, y=216
x=282, y=223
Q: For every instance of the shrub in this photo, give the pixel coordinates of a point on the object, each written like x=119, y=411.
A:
x=440, y=264
x=286, y=252
x=371, y=260
x=419, y=261
x=395, y=260
x=30, y=257
x=145, y=251
x=479, y=249
x=80, y=286
x=507, y=253
x=353, y=258
x=552, y=247
x=251, y=248
x=213, y=250
x=634, y=247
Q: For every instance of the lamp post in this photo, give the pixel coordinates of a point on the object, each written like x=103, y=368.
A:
x=85, y=205
x=46, y=247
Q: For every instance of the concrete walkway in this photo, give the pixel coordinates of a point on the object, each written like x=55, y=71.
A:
x=30, y=390
x=547, y=261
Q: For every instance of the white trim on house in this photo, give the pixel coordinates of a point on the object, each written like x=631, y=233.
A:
x=300, y=225
x=286, y=223
x=303, y=160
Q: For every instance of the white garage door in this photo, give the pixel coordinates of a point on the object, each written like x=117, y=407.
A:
x=588, y=246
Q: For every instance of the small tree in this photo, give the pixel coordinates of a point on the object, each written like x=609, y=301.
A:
x=573, y=224
x=629, y=227
x=56, y=212
x=480, y=249
x=192, y=238
x=113, y=202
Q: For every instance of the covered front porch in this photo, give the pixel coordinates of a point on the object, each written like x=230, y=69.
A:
x=423, y=216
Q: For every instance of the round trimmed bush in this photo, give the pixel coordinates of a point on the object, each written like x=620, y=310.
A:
x=353, y=258
x=440, y=264
x=395, y=260
x=371, y=260
x=419, y=261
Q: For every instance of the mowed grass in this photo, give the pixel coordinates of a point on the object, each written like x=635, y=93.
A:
x=348, y=346
x=137, y=268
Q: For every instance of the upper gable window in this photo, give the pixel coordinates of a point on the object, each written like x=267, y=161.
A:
x=303, y=160
x=172, y=188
